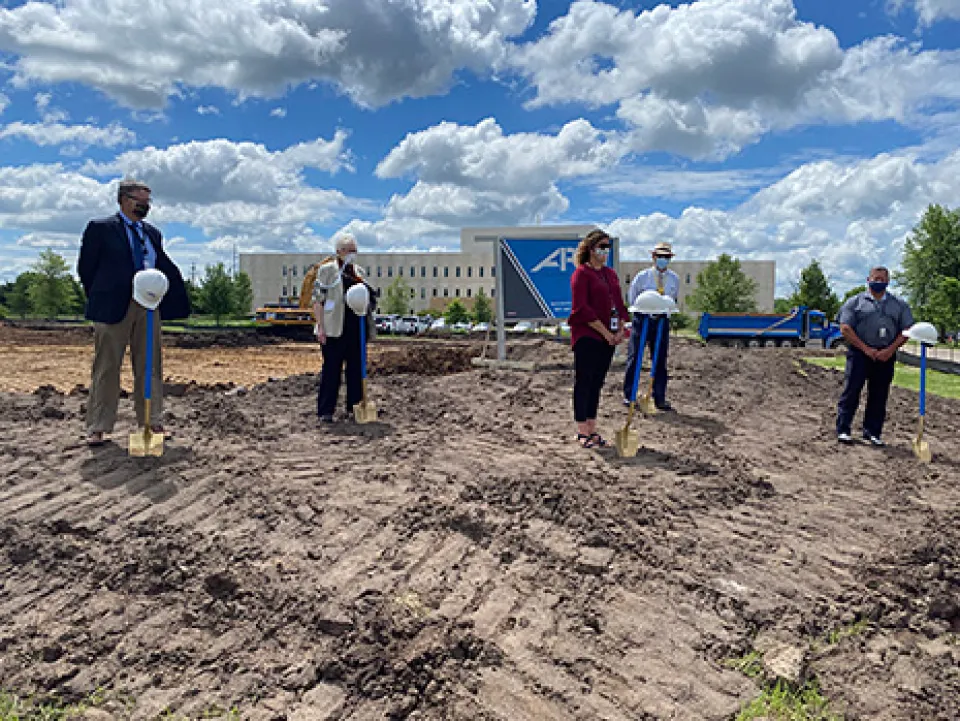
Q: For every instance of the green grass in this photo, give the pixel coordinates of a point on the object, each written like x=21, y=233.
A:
x=15, y=708
x=849, y=631
x=945, y=385
x=780, y=702
x=750, y=665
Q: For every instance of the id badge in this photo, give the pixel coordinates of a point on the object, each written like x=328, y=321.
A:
x=883, y=333
x=614, y=323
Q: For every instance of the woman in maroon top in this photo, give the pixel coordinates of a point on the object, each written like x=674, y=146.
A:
x=596, y=328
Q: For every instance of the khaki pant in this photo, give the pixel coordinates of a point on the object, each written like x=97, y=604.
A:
x=110, y=342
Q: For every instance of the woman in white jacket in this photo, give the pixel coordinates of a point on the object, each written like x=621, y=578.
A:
x=338, y=328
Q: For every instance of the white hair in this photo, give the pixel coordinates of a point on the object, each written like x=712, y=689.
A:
x=343, y=241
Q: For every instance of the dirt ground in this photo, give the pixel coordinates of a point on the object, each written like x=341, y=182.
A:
x=464, y=559
x=61, y=358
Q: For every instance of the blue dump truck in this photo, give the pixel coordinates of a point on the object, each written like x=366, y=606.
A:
x=801, y=327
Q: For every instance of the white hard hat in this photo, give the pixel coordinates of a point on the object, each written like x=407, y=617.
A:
x=649, y=301
x=669, y=304
x=358, y=298
x=924, y=332
x=149, y=287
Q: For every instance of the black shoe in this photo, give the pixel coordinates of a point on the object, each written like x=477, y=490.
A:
x=664, y=406
x=873, y=440
x=326, y=419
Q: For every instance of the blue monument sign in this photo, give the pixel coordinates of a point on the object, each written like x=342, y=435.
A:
x=534, y=276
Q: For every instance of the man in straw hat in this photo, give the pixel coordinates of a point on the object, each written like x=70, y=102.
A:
x=660, y=278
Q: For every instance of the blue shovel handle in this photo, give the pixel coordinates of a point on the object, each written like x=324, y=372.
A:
x=641, y=347
x=665, y=320
x=923, y=380
x=148, y=365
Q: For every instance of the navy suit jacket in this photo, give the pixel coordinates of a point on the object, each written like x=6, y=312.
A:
x=106, y=272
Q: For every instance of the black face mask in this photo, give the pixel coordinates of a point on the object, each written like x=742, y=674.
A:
x=141, y=209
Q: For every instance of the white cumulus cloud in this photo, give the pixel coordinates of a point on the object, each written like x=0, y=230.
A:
x=705, y=79
x=375, y=51
x=930, y=11
x=848, y=214
x=77, y=136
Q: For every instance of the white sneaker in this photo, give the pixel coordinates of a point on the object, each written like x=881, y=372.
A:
x=845, y=438
x=874, y=440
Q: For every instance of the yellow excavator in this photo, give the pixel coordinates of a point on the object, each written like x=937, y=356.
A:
x=289, y=319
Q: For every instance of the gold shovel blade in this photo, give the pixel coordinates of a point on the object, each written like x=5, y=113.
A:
x=627, y=442
x=647, y=406
x=921, y=449
x=365, y=412
x=146, y=443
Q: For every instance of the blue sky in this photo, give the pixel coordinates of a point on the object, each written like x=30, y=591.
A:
x=783, y=129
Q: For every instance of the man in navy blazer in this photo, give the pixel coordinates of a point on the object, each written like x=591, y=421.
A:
x=113, y=249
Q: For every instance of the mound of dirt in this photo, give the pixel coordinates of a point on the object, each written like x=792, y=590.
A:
x=426, y=360
x=225, y=338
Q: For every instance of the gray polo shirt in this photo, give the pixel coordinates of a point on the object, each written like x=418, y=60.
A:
x=877, y=323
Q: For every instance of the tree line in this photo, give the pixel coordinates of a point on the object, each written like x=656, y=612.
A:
x=49, y=290
x=929, y=279
x=397, y=298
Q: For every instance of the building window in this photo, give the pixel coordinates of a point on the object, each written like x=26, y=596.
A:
x=493, y=272
x=458, y=271
x=446, y=272
x=423, y=293
x=390, y=271
x=423, y=271
x=400, y=271
x=434, y=292
x=456, y=292
x=469, y=271
x=284, y=291
x=296, y=291
x=379, y=272
x=434, y=271
x=493, y=292
x=480, y=270
x=688, y=279
x=306, y=269
x=293, y=270
x=413, y=272
x=413, y=293
x=446, y=293
x=469, y=292
x=284, y=272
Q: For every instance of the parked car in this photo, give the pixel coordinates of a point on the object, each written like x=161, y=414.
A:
x=461, y=328
x=440, y=326
x=423, y=323
x=407, y=325
x=480, y=328
x=382, y=323
x=522, y=327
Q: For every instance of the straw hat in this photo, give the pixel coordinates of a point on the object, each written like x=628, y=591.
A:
x=663, y=249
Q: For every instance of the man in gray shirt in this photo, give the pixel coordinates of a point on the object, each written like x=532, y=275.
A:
x=872, y=323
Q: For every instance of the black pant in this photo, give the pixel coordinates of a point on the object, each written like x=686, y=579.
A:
x=878, y=377
x=660, y=373
x=336, y=353
x=591, y=361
